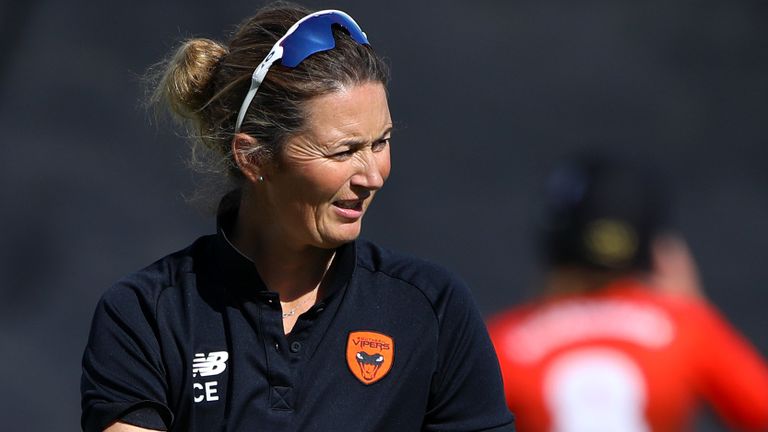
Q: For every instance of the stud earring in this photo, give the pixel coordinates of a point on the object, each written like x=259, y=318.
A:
x=261, y=179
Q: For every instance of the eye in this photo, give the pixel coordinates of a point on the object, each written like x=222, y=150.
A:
x=342, y=155
x=380, y=144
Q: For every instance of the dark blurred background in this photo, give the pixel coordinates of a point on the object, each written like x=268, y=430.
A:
x=486, y=96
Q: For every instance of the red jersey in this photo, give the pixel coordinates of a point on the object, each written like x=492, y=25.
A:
x=626, y=359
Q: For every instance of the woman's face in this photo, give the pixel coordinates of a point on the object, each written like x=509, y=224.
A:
x=326, y=177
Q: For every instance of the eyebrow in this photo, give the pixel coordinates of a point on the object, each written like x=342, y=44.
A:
x=352, y=142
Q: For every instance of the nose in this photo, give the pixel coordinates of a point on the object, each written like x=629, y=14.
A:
x=372, y=170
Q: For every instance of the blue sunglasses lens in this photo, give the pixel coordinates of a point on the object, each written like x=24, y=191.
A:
x=315, y=35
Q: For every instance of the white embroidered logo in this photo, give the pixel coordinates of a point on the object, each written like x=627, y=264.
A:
x=213, y=364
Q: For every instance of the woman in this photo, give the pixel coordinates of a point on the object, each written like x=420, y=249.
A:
x=284, y=320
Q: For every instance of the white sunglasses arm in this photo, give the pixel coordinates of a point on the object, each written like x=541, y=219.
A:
x=256, y=79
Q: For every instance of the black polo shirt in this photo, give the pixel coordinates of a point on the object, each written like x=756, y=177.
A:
x=195, y=342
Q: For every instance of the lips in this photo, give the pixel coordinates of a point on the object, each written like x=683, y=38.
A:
x=355, y=204
x=350, y=208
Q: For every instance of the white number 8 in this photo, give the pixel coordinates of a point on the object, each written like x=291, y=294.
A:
x=595, y=390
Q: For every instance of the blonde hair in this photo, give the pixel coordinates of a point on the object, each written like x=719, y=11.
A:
x=202, y=85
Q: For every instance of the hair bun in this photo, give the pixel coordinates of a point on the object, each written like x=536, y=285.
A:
x=186, y=81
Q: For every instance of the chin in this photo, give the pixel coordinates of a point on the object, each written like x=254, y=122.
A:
x=344, y=234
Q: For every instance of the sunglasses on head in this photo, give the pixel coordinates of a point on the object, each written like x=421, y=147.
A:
x=309, y=35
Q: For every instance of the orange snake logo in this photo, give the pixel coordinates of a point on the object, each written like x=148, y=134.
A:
x=369, y=364
x=370, y=355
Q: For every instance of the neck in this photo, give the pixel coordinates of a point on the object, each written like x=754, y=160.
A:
x=579, y=280
x=291, y=271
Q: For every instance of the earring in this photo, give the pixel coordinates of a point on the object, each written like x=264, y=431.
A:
x=261, y=179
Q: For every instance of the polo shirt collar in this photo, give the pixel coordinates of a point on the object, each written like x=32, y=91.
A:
x=240, y=273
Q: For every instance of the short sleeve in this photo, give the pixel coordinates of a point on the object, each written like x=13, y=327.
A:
x=123, y=377
x=467, y=392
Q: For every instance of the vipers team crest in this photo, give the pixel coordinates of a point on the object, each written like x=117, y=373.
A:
x=370, y=355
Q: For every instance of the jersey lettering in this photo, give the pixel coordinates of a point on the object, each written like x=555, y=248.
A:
x=205, y=392
x=571, y=322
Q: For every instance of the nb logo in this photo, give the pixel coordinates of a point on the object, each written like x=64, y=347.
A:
x=213, y=364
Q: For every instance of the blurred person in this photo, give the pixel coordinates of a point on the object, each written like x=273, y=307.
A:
x=621, y=337
x=285, y=320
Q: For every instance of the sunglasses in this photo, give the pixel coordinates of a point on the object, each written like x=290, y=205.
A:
x=310, y=35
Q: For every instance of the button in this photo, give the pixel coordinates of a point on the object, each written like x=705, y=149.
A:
x=295, y=347
x=277, y=346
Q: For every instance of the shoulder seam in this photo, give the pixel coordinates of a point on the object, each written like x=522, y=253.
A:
x=421, y=291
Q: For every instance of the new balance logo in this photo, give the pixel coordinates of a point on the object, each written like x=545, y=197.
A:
x=213, y=364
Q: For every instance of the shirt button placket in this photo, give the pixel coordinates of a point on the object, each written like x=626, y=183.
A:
x=279, y=365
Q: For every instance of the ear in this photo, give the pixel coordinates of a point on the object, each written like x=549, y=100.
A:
x=248, y=156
